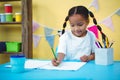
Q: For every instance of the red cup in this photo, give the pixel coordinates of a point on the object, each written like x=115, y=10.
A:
x=8, y=8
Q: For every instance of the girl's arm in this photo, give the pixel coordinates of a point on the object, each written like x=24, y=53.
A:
x=59, y=59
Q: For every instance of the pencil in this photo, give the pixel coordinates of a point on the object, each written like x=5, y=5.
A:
x=100, y=44
x=54, y=53
x=111, y=44
x=107, y=42
x=97, y=44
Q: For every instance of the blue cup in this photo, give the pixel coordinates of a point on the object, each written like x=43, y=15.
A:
x=17, y=62
x=2, y=17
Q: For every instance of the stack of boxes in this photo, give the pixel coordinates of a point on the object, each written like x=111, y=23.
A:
x=7, y=16
x=8, y=13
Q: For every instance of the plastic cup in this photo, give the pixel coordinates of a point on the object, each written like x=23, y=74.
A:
x=8, y=8
x=17, y=62
x=2, y=17
x=18, y=17
x=9, y=17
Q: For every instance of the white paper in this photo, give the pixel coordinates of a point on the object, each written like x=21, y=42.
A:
x=35, y=63
x=38, y=64
x=48, y=65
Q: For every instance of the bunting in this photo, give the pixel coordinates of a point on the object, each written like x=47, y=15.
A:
x=35, y=26
x=108, y=22
x=42, y=25
x=36, y=40
x=50, y=40
x=47, y=30
x=118, y=12
x=94, y=3
x=94, y=30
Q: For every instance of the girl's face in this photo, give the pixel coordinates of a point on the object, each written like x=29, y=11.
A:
x=78, y=25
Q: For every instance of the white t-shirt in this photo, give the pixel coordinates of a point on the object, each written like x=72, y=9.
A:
x=74, y=47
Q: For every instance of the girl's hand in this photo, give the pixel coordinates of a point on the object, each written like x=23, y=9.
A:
x=55, y=62
x=87, y=58
x=84, y=58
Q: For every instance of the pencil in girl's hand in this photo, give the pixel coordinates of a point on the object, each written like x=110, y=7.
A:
x=54, y=53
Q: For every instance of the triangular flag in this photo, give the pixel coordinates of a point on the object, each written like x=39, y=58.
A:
x=47, y=31
x=118, y=12
x=35, y=25
x=50, y=40
x=36, y=40
x=94, y=4
x=94, y=30
x=108, y=22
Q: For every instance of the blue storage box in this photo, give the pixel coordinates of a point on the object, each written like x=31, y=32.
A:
x=2, y=46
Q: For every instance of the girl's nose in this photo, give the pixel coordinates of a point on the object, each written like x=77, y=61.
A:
x=77, y=27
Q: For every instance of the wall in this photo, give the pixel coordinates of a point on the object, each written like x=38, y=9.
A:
x=53, y=12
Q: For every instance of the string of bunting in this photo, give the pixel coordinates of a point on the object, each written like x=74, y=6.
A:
x=48, y=30
x=106, y=21
x=49, y=38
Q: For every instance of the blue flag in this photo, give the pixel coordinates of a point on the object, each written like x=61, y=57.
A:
x=50, y=40
x=47, y=31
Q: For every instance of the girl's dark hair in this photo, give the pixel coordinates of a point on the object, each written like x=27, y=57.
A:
x=85, y=13
x=76, y=10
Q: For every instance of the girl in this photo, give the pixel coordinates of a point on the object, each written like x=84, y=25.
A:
x=78, y=43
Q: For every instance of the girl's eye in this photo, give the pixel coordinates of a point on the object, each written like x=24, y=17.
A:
x=72, y=25
x=79, y=24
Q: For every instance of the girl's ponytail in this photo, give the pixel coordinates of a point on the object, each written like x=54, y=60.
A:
x=104, y=37
x=64, y=25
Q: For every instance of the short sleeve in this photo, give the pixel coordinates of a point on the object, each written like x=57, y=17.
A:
x=62, y=44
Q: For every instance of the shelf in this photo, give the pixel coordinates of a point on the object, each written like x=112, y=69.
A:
x=10, y=52
x=8, y=0
x=10, y=23
x=26, y=27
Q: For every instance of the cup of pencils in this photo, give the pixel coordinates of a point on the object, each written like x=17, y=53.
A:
x=103, y=54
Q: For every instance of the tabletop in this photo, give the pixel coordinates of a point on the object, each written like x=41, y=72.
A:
x=89, y=71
